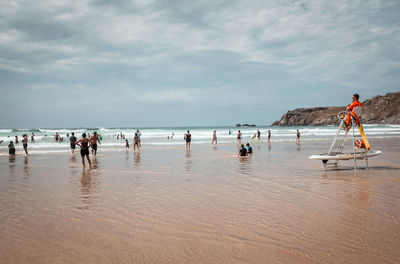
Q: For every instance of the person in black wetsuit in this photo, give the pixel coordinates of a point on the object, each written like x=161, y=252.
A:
x=84, y=143
x=11, y=148
x=249, y=149
x=242, y=151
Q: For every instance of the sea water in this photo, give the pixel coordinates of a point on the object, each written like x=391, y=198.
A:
x=174, y=136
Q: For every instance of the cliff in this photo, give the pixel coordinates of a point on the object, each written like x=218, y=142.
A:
x=377, y=110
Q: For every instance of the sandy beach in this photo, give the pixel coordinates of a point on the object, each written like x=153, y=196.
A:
x=166, y=205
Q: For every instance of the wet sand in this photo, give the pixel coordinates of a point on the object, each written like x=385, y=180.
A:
x=166, y=205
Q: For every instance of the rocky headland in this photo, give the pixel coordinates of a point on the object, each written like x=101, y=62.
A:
x=377, y=110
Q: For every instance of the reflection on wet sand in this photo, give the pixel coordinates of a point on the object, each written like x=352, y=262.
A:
x=127, y=157
x=89, y=187
x=188, y=161
x=11, y=163
x=269, y=146
x=282, y=212
x=95, y=163
x=26, y=167
x=244, y=167
x=137, y=159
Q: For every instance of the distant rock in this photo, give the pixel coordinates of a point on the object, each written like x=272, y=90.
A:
x=377, y=110
x=245, y=125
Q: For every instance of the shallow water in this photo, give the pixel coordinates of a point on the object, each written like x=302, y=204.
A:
x=158, y=137
x=166, y=205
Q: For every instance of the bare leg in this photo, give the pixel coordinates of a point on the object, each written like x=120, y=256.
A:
x=83, y=161
x=90, y=163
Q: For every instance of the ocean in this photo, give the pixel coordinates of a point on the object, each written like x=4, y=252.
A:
x=158, y=136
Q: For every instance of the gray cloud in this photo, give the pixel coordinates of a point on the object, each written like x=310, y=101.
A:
x=165, y=56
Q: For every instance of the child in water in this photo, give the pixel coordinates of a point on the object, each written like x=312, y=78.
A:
x=126, y=144
x=11, y=148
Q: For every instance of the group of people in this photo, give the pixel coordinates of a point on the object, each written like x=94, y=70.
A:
x=11, y=145
x=245, y=151
x=136, y=141
x=84, y=143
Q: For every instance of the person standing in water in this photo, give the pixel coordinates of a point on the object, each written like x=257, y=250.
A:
x=258, y=134
x=139, y=135
x=25, y=143
x=16, y=139
x=126, y=144
x=297, y=136
x=239, y=137
x=93, y=142
x=214, y=137
x=33, y=137
x=269, y=135
x=188, y=139
x=72, y=141
x=136, y=142
x=84, y=144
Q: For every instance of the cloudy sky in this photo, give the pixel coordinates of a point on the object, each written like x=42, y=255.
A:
x=185, y=63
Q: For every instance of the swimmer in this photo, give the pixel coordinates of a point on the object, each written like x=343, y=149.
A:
x=11, y=148
x=126, y=144
x=297, y=136
x=25, y=143
x=139, y=135
x=249, y=149
x=84, y=144
x=239, y=137
x=242, y=151
x=214, y=137
x=72, y=141
x=93, y=142
x=188, y=139
x=136, y=142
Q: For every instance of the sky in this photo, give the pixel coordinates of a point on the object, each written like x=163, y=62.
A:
x=83, y=63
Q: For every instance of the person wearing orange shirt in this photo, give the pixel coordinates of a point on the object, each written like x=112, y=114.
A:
x=350, y=109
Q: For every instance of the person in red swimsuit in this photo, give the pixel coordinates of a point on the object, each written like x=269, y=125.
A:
x=350, y=109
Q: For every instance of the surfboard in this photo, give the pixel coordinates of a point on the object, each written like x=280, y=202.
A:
x=345, y=156
x=364, y=137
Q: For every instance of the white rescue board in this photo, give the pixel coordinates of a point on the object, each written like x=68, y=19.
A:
x=345, y=156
